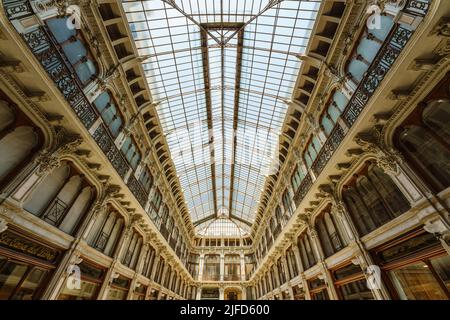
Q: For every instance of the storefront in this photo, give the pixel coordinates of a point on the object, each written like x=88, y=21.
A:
x=299, y=293
x=26, y=265
x=154, y=294
x=139, y=292
x=350, y=282
x=318, y=289
x=92, y=277
x=415, y=266
x=119, y=288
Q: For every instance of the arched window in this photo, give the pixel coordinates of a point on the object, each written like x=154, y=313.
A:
x=193, y=264
x=311, y=151
x=19, y=139
x=62, y=198
x=74, y=48
x=232, y=267
x=292, y=263
x=146, y=179
x=106, y=231
x=306, y=251
x=331, y=114
x=211, y=270
x=132, y=247
x=297, y=177
x=109, y=112
x=281, y=271
x=149, y=262
x=131, y=152
x=329, y=234
x=373, y=199
x=367, y=47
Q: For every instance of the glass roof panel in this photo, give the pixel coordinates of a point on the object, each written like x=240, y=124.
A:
x=221, y=73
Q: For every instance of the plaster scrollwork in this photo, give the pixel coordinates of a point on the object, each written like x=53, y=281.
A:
x=67, y=142
x=338, y=209
x=442, y=28
x=389, y=162
x=46, y=162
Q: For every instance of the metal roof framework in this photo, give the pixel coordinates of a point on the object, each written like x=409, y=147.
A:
x=222, y=72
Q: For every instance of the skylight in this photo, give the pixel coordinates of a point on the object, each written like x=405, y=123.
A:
x=221, y=73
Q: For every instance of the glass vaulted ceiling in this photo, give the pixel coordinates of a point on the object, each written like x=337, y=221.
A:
x=221, y=73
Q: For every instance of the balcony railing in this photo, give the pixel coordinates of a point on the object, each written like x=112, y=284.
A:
x=303, y=189
x=47, y=51
x=55, y=212
x=102, y=241
x=385, y=58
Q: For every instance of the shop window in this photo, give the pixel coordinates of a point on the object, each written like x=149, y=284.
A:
x=139, y=292
x=20, y=281
x=91, y=280
x=351, y=284
x=416, y=265
x=318, y=289
x=119, y=288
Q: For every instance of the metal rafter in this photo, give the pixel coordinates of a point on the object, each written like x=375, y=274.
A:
x=271, y=4
x=206, y=77
x=173, y=4
x=236, y=111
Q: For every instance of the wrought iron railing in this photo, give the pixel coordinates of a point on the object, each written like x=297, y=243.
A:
x=336, y=241
x=139, y=192
x=329, y=147
x=101, y=242
x=380, y=66
x=55, y=212
x=165, y=232
x=303, y=189
x=46, y=50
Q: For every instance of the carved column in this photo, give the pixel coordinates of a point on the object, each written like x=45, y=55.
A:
x=392, y=164
x=200, y=266
x=243, y=275
x=155, y=267
x=3, y=225
x=222, y=267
